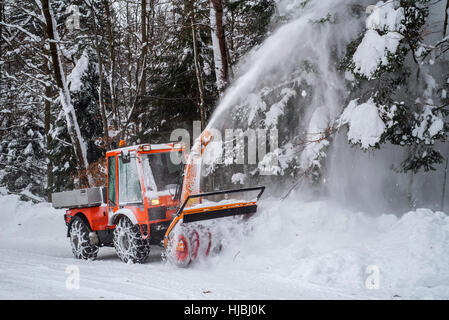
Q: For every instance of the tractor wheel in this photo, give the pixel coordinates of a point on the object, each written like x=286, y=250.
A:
x=128, y=242
x=79, y=239
x=179, y=251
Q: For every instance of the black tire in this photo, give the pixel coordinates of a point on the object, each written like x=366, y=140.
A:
x=128, y=242
x=80, y=242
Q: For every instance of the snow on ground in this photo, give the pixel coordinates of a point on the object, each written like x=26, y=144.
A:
x=290, y=250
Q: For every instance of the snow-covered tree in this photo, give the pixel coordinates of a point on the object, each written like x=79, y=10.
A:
x=394, y=91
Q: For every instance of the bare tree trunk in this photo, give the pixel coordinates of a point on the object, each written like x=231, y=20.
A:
x=219, y=45
x=72, y=123
x=47, y=117
x=151, y=20
x=443, y=193
x=445, y=19
x=230, y=47
x=48, y=94
x=128, y=43
x=199, y=78
x=104, y=119
x=115, y=112
x=143, y=19
x=2, y=19
x=133, y=107
x=411, y=193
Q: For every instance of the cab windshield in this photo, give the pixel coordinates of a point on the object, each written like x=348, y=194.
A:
x=162, y=171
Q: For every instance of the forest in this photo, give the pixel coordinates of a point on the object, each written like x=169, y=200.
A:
x=78, y=76
x=371, y=78
x=333, y=183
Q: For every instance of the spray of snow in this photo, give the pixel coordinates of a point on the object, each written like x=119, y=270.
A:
x=277, y=109
x=278, y=66
x=369, y=180
x=238, y=178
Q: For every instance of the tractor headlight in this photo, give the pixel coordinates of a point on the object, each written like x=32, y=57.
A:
x=155, y=202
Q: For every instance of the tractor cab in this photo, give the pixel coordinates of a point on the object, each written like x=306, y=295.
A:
x=144, y=183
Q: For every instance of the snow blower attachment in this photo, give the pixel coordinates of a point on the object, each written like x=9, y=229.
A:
x=182, y=241
x=151, y=198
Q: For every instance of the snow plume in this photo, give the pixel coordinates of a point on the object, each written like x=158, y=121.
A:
x=277, y=109
x=281, y=62
x=290, y=82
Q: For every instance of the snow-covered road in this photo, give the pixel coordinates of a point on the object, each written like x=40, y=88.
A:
x=314, y=253
x=30, y=274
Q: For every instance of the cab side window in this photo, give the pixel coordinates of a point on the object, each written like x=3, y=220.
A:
x=129, y=184
x=111, y=180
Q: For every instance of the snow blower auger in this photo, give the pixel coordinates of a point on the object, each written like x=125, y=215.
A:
x=184, y=239
x=184, y=242
x=151, y=198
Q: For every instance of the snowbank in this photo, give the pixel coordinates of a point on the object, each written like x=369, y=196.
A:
x=290, y=249
x=319, y=243
x=22, y=221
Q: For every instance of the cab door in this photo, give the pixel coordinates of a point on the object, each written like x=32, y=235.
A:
x=112, y=184
x=129, y=186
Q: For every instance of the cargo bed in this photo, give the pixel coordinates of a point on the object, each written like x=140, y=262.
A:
x=82, y=198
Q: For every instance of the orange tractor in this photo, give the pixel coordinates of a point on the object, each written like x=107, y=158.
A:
x=152, y=197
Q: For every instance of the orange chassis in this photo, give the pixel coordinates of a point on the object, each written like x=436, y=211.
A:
x=157, y=217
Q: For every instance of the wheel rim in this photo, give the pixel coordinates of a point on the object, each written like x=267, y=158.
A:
x=181, y=249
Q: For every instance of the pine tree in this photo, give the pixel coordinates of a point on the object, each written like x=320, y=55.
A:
x=84, y=95
x=399, y=84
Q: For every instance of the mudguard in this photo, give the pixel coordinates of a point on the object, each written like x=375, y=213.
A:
x=124, y=212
